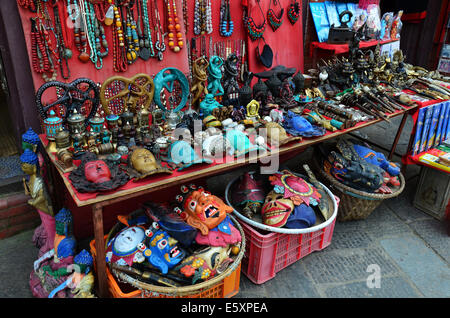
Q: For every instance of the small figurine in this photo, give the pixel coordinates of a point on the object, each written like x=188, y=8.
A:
x=386, y=25
x=208, y=104
x=253, y=111
x=200, y=77
x=241, y=143
x=215, y=76
x=49, y=277
x=40, y=199
x=229, y=81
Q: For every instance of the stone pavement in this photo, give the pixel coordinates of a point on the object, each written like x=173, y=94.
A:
x=408, y=248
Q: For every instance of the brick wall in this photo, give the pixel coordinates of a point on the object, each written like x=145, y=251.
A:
x=16, y=215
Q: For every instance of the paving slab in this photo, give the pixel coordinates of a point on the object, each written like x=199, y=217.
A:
x=390, y=287
x=429, y=272
x=346, y=265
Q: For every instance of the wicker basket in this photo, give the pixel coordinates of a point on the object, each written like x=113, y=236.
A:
x=205, y=289
x=356, y=204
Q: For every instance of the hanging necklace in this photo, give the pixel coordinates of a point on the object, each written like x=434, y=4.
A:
x=293, y=12
x=226, y=24
x=202, y=17
x=96, y=36
x=132, y=38
x=79, y=33
x=28, y=4
x=160, y=46
x=208, y=18
x=119, y=50
x=256, y=31
x=45, y=27
x=174, y=28
x=39, y=57
x=145, y=37
x=274, y=20
x=64, y=52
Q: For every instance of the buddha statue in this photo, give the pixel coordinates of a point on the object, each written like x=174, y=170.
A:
x=40, y=199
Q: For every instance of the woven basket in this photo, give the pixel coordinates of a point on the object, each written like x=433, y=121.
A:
x=356, y=204
x=184, y=291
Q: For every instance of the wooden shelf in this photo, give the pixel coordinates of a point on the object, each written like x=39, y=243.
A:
x=344, y=48
x=156, y=183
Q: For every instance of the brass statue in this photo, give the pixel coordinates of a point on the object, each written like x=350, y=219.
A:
x=200, y=76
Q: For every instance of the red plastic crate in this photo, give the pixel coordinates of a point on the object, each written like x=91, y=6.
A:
x=267, y=254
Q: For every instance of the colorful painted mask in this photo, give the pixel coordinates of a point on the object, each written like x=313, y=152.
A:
x=294, y=188
x=249, y=194
x=276, y=209
x=297, y=125
x=205, y=264
x=123, y=248
x=160, y=249
x=94, y=175
x=201, y=209
x=97, y=171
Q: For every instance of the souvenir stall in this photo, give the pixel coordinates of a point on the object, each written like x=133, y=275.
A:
x=141, y=100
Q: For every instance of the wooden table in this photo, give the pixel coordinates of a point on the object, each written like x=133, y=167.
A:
x=98, y=203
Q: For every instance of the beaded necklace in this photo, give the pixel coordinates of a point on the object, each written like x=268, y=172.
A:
x=160, y=46
x=202, y=17
x=45, y=27
x=146, y=44
x=226, y=24
x=94, y=34
x=132, y=38
x=293, y=12
x=79, y=33
x=255, y=31
x=39, y=56
x=174, y=28
x=28, y=4
x=274, y=20
x=64, y=52
x=119, y=53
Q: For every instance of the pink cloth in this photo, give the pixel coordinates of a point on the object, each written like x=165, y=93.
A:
x=48, y=235
x=217, y=238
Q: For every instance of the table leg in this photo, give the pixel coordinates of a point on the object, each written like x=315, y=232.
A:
x=397, y=136
x=97, y=216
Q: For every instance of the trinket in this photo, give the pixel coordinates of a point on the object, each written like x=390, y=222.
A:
x=181, y=155
x=142, y=163
x=94, y=175
x=215, y=76
x=294, y=188
x=208, y=104
x=118, y=93
x=161, y=250
x=276, y=135
x=249, y=194
x=165, y=79
x=296, y=125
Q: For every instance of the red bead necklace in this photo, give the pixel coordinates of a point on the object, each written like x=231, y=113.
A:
x=174, y=27
x=39, y=56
